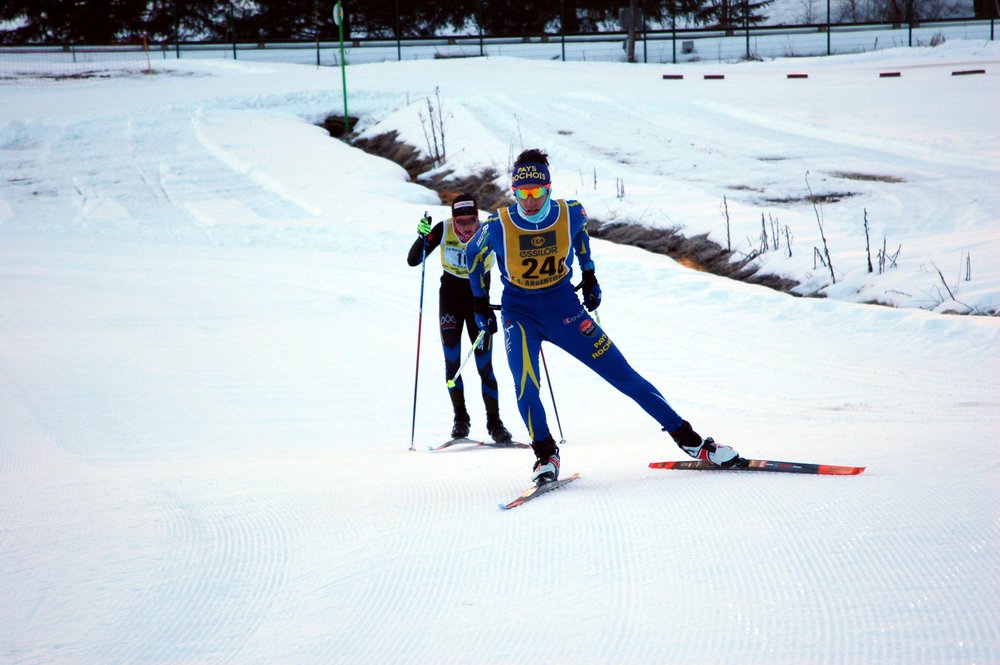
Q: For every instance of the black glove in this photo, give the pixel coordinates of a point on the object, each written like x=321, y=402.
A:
x=591, y=291
x=486, y=320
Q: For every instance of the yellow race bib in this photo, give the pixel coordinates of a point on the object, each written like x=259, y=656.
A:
x=453, y=253
x=536, y=259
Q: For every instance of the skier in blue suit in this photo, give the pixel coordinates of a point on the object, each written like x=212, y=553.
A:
x=535, y=242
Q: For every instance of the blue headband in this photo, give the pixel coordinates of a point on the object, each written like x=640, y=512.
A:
x=528, y=174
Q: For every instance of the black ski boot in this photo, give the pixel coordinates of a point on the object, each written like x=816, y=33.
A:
x=497, y=431
x=460, y=429
x=494, y=425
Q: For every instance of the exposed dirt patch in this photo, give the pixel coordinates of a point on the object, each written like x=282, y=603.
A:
x=697, y=252
x=79, y=76
x=335, y=125
x=870, y=177
x=831, y=197
x=488, y=195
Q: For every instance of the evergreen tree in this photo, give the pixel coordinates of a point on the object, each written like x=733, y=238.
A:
x=732, y=13
x=83, y=21
x=986, y=8
x=187, y=19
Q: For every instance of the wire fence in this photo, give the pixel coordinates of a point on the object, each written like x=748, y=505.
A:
x=651, y=46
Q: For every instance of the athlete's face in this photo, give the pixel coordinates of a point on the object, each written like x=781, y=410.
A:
x=532, y=198
x=466, y=226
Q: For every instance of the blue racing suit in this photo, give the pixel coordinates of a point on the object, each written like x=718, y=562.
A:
x=539, y=304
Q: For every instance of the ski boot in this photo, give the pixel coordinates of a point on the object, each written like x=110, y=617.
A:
x=546, y=467
x=708, y=450
x=460, y=429
x=497, y=431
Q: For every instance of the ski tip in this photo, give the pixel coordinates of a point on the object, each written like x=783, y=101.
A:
x=464, y=440
x=508, y=444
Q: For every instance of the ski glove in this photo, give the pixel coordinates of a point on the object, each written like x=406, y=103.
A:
x=486, y=320
x=424, y=225
x=591, y=291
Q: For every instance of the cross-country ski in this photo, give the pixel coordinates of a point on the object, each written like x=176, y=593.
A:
x=538, y=490
x=466, y=441
x=763, y=465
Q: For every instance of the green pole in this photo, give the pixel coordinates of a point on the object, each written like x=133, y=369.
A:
x=338, y=17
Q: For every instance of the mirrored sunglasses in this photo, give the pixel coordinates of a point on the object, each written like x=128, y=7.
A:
x=532, y=192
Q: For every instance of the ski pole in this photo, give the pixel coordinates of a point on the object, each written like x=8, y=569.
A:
x=420, y=322
x=548, y=379
x=475, y=345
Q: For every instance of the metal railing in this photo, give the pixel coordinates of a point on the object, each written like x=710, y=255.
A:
x=657, y=46
x=652, y=46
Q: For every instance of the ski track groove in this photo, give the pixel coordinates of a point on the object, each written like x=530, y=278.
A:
x=15, y=461
x=8, y=461
x=625, y=643
x=391, y=588
x=876, y=559
x=167, y=159
x=216, y=556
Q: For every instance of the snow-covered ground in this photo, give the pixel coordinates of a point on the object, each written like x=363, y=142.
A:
x=208, y=340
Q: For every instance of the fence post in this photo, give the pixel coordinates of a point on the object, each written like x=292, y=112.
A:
x=746, y=23
x=399, y=42
x=479, y=26
x=828, y=27
x=562, y=28
x=673, y=37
